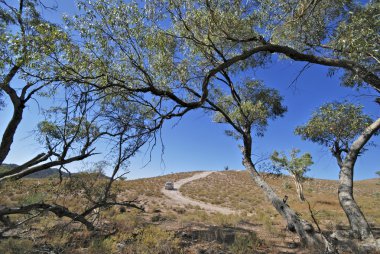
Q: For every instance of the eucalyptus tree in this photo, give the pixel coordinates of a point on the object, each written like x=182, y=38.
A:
x=345, y=130
x=26, y=40
x=295, y=166
x=171, y=52
x=247, y=108
x=37, y=59
x=340, y=34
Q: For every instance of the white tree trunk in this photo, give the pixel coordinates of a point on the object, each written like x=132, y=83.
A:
x=304, y=230
x=358, y=222
x=299, y=187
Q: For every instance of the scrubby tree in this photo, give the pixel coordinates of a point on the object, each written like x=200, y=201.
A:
x=295, y=166
x=345, y=130
x=167, y=55
x=177, y=51
x=36, y=61
x=247, y=108
x=248, y=33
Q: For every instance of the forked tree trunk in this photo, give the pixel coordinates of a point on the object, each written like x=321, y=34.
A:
x=299, y=187
x=358, y=222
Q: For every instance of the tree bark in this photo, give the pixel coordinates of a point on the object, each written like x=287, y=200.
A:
x=58, y=210
x=358, y=222
x=308, y=236
x=299, y=187
x=10, y=131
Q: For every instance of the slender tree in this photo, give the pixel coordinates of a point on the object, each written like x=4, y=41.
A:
x=345, y=130
x=246, y=109
x=36, y=61
x=295, y=166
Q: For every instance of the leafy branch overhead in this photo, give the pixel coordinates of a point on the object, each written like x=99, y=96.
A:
x=250, y=107
x=335, y=125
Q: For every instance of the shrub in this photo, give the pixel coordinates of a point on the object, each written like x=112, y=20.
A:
x=15, y=246
x=153, y=240
x=245, y=243
x=100, y=246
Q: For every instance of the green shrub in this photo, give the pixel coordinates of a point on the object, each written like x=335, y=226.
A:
x=287, y=185
x=153, y=240
x=33, y=198
x=245, y=243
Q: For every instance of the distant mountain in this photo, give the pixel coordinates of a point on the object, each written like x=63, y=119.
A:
x=50, y=172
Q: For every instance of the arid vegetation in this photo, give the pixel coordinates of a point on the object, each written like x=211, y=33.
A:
x=111, y=74
x=238, y=193
x=167, y=227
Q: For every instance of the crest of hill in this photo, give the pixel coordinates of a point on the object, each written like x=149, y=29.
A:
x=50, y=172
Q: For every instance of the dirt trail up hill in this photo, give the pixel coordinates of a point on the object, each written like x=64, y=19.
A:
x=176, y=195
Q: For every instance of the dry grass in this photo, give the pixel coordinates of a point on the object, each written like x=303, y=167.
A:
x=161, y=226
x=240, y=192
x=150, y=187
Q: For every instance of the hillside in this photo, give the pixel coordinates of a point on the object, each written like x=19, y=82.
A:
x=167, y=226
x=50, y=172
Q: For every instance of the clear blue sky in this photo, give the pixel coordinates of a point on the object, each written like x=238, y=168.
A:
x=195, y=143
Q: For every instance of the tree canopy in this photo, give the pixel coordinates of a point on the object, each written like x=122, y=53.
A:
x=249, y=107
x=295, y=165
x=335, y=125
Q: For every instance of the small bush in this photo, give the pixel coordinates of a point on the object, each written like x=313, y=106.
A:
x=287, y=185
x=245, y=243
x=100, y=246
x=16, y=246
x=153, y=240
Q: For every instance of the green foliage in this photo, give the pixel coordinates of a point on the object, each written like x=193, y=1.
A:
x=295, y=165
x=28, y=40
x=33, y=198
x=152, y=240
x=335, y=124
x=245, y=243
x=358, y=38
x=256, y=106
x=100, y=246
x=302, y=23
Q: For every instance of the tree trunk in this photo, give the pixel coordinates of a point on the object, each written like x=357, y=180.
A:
x=358, y=222
x=10, y=131
x=299, y=187
x=305, y=230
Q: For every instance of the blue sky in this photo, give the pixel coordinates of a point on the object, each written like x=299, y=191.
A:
x=196, y=143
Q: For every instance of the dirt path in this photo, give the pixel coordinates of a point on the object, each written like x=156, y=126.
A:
x=176, y=196
x=180, y=199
